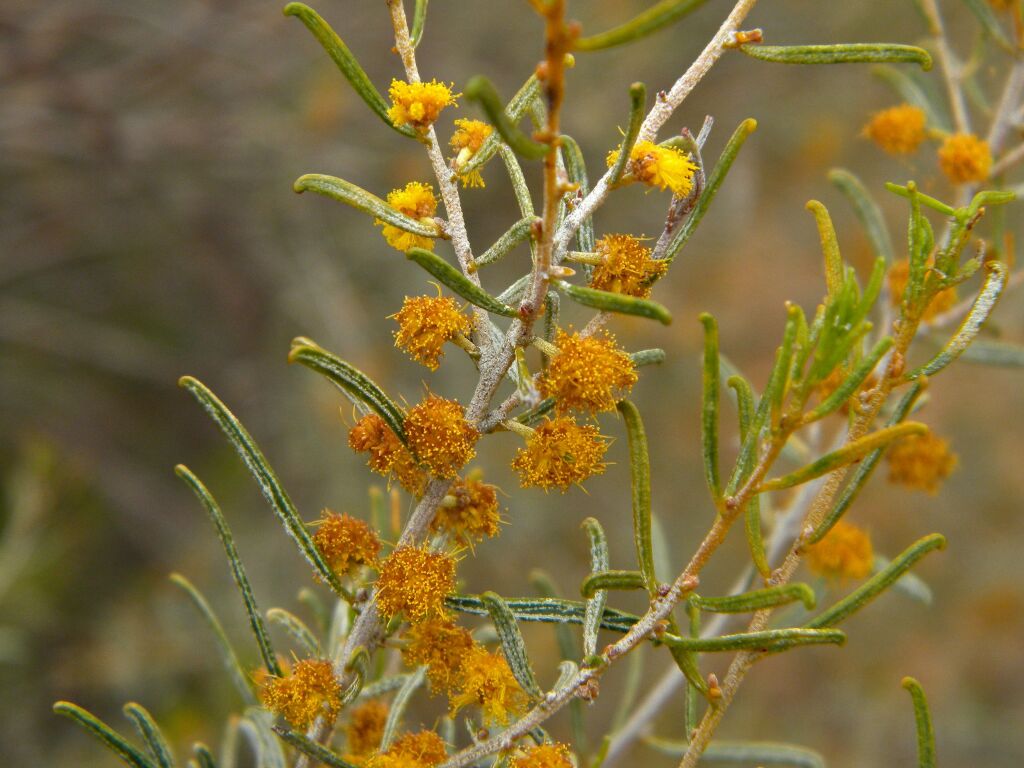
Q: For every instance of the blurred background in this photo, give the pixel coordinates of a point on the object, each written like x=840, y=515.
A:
x=148, y=230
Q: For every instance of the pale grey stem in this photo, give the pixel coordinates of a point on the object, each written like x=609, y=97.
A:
x=950, y=67
x=1007, y=161
x=1009, y=103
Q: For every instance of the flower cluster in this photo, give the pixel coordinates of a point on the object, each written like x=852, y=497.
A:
x=440, y=436
x=418, y=104
x=387, y=455
x=309, y=691
x=589, y=373
x=844, y=553
x=626, y=267
x=365, y=729
x=417, y=201
x=421, y=749
x=552, y=755
x=965, y=158
x=921, y=462
x=659, y=166
x=470, y=511
x=425, y=323
x=467, y=139
x=560, y=453
x=346, y=543
x=898, y=130
x=414, y=581
x=440, y=644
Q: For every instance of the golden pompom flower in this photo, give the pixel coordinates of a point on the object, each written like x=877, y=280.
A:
x=417, y=201
x=440, y=436
x=921, y=462
x=388, y=456
x=365, y=728
x=656, y=166
x=309, y=691
x=425, y=323
x=844, y=553
x=626, y=267
x=422, y=749
x=467, y=139
x=485, y=678
x=441, y=645
x=414, y=581
x=898, y=130
x=559, y=453
x=965, y=158
x=470, y=511
x=418, y=104
x=589, y=373
x=897, y=278
x=346, y=542
x=543, y=756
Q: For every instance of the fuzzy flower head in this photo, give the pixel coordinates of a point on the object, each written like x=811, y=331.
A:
x=425, y=323
x=346, y=542
x=898, y=130
x=365, y=728
x=387, y=455
x=440, y=436
x=418, y=104
x=422, y=749
x=485, y=679
x=309, y=691
x=897, y=278
x=417, y=201
x=921, y=462
x=469, y=136
x=965, y=158
x=589, y=373
x=415, y=581
x=441, y=645
x=559, y=453
x=656, y=166
x=844, y=553
x=470, y=511
x=626, y=267
x=544, y=756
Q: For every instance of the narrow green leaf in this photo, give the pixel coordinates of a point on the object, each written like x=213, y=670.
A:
x=615, y=302
x=645, y=23
x=546, y=610
x=912, y=193
x=844, y=53
x=744, y=402
x=755, y=536
x=766, y=640
x=603, y=580
x=257, y=465
x=111, y=739
x=576, y=170
x=711, y=185
x=640, y=473
x=419, y=18
x=350, y=379
x=237, y=570
x=987, y=299
x=516, y=177
x=852, y=383
x=482, y=91
x=397, y=709
x=308, y=747
x=512, y=237
x=829, y=247
x=761, y=753
x=988, y=197
x=229, y=743
x=357, y=197
x=458, y=282
x=150, y=733
x=512, y=643
x=878, y=583
x=709, y=411
x=997, y=353
x=346, y=62
x=638, y=101
x=923, y=724
x=527, y=96
x=867, y=210
x=598, y=599
x=257, y=727
x=644, y=357
x=848, y=454
x=757, y=599
x=203, y=755
x=296, y=629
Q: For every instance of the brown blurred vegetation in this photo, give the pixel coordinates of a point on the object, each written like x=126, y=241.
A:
x=148, y=229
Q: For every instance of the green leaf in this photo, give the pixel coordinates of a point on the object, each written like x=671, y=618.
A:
x=111, y=739
x=598, y=599
x=769, y=754
x=512, y=643
x=988, y=197
x=397, y=709
x=998, y=353
x=350, y=379
x=829, y=247
x=709, y=410
x=237, y=570
x=714, y=181
x=346, y=62
x=482, y=91
x=296, y=629
x=638, y=101
x=878, y=583
x=150, y=733
x=848, y=454
x=525, y=98
x=459, y=283
x=546, y=610
x=261, y=471
x=852, y=383
x=357, y=197
x=644, y=357
x=203, y=755
x=512, y=237
x=314, y=750
x=987, y=299
x=640, y=473
x=576, y=170
x=867, y=210
x=768, y=640
x=844, y=53
x=757, y=599
x=923, y=724
x=600, y=581
x=656, y=17
x=911, y=192
x=419, y=18
x=615, y=302
x=257, y=727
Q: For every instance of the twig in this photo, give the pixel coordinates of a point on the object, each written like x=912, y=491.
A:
x=950, y=69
